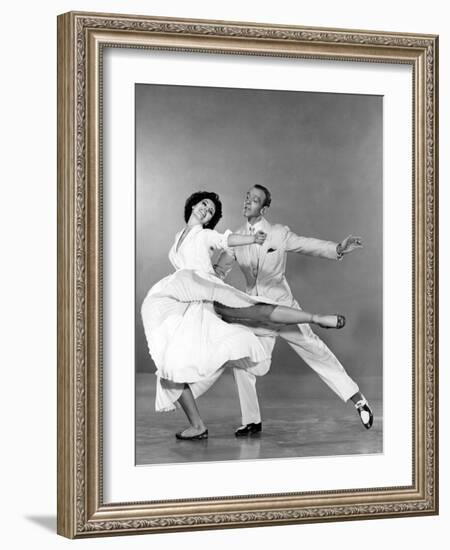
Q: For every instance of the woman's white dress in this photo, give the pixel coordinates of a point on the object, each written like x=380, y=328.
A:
x=187, y=340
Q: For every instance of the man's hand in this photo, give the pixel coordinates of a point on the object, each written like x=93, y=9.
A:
x=349, y=244
x=260, y=237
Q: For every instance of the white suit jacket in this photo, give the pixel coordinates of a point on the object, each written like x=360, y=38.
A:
x=268, y=278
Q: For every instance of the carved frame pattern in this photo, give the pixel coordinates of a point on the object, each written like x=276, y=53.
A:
x=81, y=511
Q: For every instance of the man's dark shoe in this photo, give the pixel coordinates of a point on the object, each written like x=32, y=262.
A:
x=249, y=429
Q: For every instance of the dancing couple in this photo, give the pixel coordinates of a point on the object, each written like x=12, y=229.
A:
x=196, y=325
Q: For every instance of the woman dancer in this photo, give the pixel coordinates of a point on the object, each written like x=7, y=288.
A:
x=195, y=323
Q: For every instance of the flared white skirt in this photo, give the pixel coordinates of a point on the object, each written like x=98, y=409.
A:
x=189, y=342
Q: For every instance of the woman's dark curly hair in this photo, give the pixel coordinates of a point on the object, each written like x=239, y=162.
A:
x=195, y=198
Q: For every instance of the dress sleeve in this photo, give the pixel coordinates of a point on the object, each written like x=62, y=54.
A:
x=224, y=262
x=216, y=240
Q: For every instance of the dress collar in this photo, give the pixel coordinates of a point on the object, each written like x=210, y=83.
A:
x=193, y=230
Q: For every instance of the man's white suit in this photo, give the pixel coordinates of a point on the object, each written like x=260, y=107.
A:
x=264, y=268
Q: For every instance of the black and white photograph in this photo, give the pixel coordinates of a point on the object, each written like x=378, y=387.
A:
x=259, y=274
x=225, y=246
x=224, y=234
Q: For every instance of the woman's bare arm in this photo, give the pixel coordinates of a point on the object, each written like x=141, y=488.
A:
x=235, y=239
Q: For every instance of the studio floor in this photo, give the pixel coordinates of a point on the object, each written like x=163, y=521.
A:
x=301, y=418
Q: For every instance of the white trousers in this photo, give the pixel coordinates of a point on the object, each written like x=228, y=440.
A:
x=314, y=352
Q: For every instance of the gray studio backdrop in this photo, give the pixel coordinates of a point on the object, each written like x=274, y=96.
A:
x=320, y=155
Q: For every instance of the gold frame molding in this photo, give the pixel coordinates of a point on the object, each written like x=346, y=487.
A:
x=81, y=37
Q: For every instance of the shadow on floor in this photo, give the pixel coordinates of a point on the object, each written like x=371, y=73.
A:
x=46, y=522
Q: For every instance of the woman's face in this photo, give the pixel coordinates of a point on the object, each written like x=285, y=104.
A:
x=204, y=211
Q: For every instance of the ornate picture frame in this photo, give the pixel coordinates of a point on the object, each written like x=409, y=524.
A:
x=82, y=510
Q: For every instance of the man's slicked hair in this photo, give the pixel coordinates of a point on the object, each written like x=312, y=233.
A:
x=268, y=199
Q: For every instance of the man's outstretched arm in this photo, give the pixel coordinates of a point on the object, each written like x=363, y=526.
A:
x=322, y=249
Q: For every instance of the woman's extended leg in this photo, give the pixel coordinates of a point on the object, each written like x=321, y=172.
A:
x=197, y=429
x=267, y=313
x=292, y=316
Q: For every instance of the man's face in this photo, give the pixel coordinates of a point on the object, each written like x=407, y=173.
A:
x=253, y=203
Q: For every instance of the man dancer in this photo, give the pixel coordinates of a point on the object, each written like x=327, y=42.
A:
x=264, y=270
